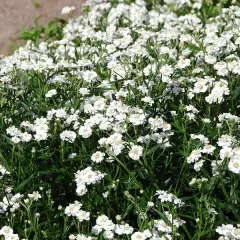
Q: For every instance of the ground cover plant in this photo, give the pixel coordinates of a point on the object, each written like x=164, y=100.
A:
x=127, y=127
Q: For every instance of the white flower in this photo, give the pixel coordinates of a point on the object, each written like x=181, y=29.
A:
x=16, y=140
x=209, y=149
x=99, y=105
x=166, y=70
x=108, y=235
x=41, y=128
x=25, y=137
x=105, y=194
x=103, y=223
x=90, y=76
x=60, y=113
x=194, y=156
x=73, y=208
x=147, y=233
x=6, y=231
x=43, y=46
x=169, y=197
x=212, y=211
x=200, y=86
x=197, y=165
x=68, y=136
x=83, y=237
x=218, y=92
x=68, y=10
x=183, y=63
x=150, y=68
x=13, y=131
x=84, y=91
x=156, y=123
x=71, y=237
x=226, y=152
x=210, y=59
x=165, y=126
x=35, y=196
x=150, y=204
x=40, y=121
x=12, y=237
x=97, y=157
x=85, y=131
x=72, y=155
x=138, y=236
x=226, y=230
x=122, y=42
x=83, y=215
x=148, y=100
x=3, y=170
x=225, y=141
x=136, y=152
x=118, y=217
x=96, y=229
x=81, y=189
x=206, y=120
x=41, y=135
x=51, y=93
x=137, y=119
x=234, y=165
x=221, y=68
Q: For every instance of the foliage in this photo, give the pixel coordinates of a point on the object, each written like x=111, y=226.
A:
x=50, y=32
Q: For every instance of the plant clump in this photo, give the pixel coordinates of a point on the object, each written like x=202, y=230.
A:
x=125, y=128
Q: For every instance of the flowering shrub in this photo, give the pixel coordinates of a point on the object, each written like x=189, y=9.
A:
x=127, y=128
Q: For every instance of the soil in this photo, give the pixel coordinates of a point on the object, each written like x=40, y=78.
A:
x=16, y=15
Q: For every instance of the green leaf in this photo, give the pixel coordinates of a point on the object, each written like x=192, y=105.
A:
x=25, y=182
x=4, y=162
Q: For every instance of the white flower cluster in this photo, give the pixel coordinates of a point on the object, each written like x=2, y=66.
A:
x=220, y=89
x=8, y=234
x=162, y=229
x=228, y=117
x=41, y=127
x=86, y=177
x=113, y=117
x=79, y=237
x=10, y=202
x=17, y=135
x=228, y=232
x=13, y=202
x=105, y=225
x=51, y=93
x=169, y=197
x=68, y=136
x=229, y=150
x=234, y=162
x=146, y=234
x=196, y=156
x=3, y=171
x=68, y=10
x=35, y=196
x=74, y=209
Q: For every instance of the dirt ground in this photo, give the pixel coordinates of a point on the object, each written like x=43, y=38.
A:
x=20, y=14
